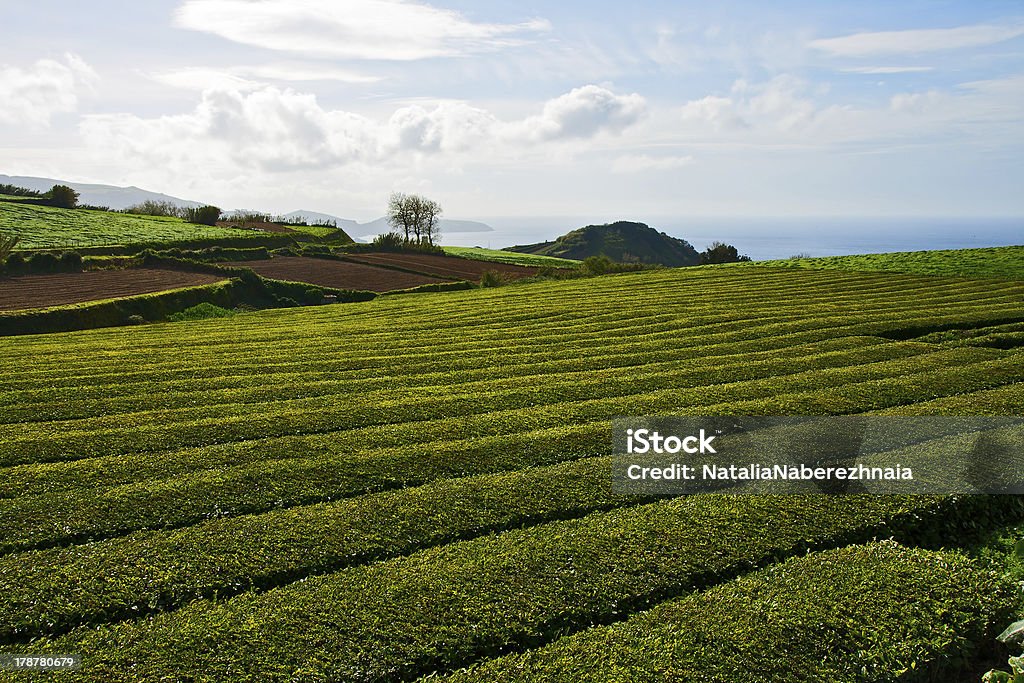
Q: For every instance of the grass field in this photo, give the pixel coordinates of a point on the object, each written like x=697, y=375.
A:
x=408, y=486
x=511, y=257
x=996, y=262
x=46, y=226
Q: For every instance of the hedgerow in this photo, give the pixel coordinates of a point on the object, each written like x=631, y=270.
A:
x=449, y=606
x=141, y=572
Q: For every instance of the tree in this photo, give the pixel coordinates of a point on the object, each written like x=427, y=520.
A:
x=418, y=218
x=400, y=213
x=719, y=252
x=431, y=216
x=63, y=196
x=7, y=244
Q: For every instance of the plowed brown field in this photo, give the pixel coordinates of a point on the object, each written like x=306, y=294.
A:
x=445, y=266
x=41, y=291
x=337, y=274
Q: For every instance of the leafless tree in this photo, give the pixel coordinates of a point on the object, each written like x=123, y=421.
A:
x=417, y=217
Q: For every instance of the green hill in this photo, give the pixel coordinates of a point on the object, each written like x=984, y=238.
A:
x=43, y=227
x=622, y=241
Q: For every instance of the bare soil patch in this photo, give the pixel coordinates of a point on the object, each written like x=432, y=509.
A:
x=445, y=266
x=58, y=289
x=336, y=274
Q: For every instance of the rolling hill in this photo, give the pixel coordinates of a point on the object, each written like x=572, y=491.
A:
x=622, y=241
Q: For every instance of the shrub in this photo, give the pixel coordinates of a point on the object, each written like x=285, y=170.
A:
x=7, y=244
x=155, y=208
x=388, y=241
x=15, y=263
x=136, y=320
x=43, y=262
x=16, y=191
x=63, y=197
x=203, y=215
x=71, y=262
x=597, y=265
x=720, y=252
x=491, y=278
x=200, y=312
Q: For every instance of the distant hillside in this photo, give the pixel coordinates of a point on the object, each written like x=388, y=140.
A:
x=623, y=241
x=97, y=195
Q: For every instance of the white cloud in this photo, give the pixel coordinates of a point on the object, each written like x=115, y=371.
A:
x=269, y=128
x=918, y=40
x=637, y=163
x=915, y=103
x=719, y=112
x=780, y=105
x=46, y=88
x=582, y=113
x=199, y=78
x=281, y=130
x=358, y=29
x=286, y=71
x=240, y=78
x=886, y=69
x=449, y=127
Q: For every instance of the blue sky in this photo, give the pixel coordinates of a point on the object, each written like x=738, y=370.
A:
x=526, y=108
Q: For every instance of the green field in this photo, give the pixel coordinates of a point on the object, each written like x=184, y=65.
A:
x=50, y=227
x=995, y=262
x=409, y=486
x=499, y=256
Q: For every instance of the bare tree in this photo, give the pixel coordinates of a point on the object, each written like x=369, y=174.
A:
x=400, y=213
x=417, y=217
x=431, y=214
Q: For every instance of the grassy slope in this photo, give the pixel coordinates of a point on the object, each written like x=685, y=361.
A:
x=46, y=226
x=219, y=467
x=499, y=256
x=995, y=262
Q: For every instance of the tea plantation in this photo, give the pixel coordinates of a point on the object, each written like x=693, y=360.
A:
x=419, y=486
x=50, y=227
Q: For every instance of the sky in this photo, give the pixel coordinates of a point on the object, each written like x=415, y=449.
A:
x=526, y=108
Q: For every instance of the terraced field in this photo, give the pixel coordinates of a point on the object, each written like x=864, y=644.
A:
x=404, y=487
x=996, y=262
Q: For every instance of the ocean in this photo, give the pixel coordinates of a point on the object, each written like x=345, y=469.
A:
x=773, y=238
